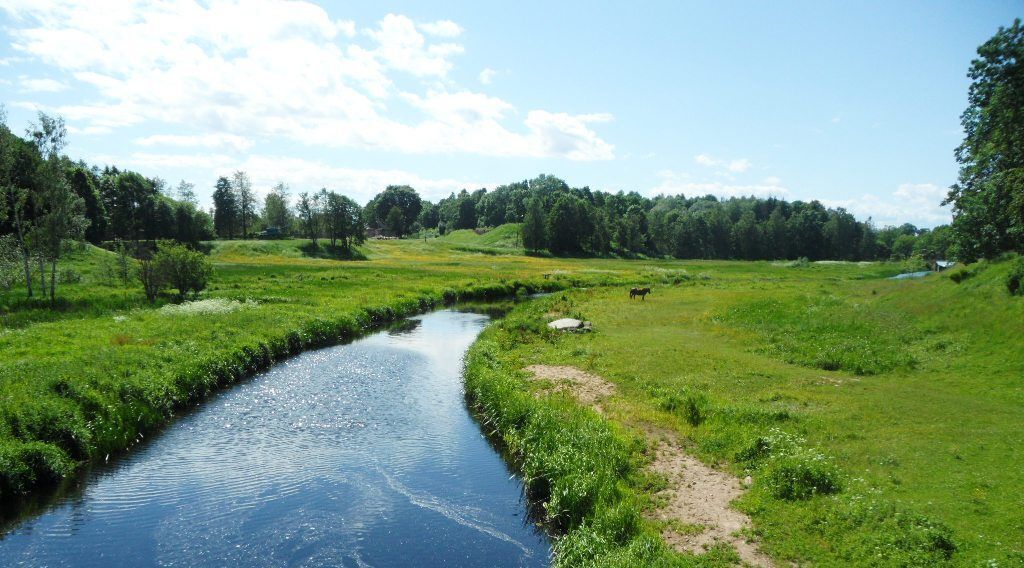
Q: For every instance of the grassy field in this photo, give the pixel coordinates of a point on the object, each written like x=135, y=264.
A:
x=880, y=419
x=905, y=397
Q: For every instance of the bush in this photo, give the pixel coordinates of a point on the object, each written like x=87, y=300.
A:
x=1015, y=280
x=69, y=276
x=174, y=266
x=791, y=470
x=962, y=273
x=185, y=269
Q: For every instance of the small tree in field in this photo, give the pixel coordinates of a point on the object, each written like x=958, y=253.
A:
x=174, y=266
x=182, y=268
x=152, y=278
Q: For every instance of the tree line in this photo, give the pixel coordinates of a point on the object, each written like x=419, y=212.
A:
x=578, y=221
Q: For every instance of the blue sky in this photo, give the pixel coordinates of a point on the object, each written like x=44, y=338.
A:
x=855, y=104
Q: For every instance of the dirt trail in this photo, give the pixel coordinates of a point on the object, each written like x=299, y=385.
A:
x=697, y=497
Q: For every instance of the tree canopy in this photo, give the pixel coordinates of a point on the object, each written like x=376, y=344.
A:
x=988, y=198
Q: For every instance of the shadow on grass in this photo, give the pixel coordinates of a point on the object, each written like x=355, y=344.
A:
x=332, y=252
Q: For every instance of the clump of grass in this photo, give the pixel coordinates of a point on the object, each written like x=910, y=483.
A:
x=690, y=405
x=870, y=526
x=789, y=469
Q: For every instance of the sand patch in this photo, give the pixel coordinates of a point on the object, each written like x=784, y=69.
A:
x=586, y=388
x=698, y=497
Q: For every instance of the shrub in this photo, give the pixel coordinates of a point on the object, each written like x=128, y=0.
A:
x=1015, y=279
x=69, y=276
x=791, y=470
x=182, y=268
x=691, y=406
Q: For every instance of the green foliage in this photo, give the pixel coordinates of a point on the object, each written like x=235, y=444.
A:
x=1015, y=279
x=534, y=227
x=988, y=198
x=404, y=198
x=186, y=270
x=791, y=470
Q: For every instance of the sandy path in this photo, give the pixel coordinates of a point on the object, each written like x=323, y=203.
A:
x=697, y=497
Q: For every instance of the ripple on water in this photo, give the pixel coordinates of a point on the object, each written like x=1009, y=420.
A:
x=354, y=455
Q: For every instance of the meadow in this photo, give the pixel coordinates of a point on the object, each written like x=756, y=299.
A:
x=879, y=418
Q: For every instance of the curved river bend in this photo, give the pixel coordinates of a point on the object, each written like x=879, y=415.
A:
x=356, y=455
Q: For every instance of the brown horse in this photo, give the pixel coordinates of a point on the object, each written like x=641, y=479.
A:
x=642, y=292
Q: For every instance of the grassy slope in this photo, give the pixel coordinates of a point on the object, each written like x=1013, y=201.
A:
x=503, y=239
x=925, y=442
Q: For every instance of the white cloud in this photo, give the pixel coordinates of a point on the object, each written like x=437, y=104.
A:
x=442, y=28
x=301, y=175
x=680, y=183
x=917, y=203
x=705, y=160
x=741, y=165
x=32, y=85
x=238, y=143
x=401, y=46
x=267, y=69
x=738, y=165
x=487, y=75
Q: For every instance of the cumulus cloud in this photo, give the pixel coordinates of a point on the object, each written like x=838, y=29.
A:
x=32, y=85
x=487, y=75
x=265, y=69
x=917, y=203
x=737, y=165
x=680, y=183
x=238, y=143
x=300, y=174
x=442, y=28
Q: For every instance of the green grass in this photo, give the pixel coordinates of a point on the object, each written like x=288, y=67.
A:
x=880, y=462
x=877, y=417
x=503, y=239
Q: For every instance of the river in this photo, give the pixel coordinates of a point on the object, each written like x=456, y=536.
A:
x=356, y=455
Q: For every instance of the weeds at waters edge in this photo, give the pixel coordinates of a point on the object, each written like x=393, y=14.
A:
x=45, y=439
x=582, y=469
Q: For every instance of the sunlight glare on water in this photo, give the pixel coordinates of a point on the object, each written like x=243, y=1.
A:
x=355, y=455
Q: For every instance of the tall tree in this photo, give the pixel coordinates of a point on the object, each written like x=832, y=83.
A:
x=401, y=196
x=343, y=220
x=533, y=229
x=15, y=197
x=186, y=193
x=276, y=212
x=988, y=198
x=564, y=225
x=245, y=200
x=84, y=185
x=64, y=211
x=225, y=209
x=310, y=212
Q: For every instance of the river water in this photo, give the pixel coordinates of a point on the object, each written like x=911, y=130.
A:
x=355, y=455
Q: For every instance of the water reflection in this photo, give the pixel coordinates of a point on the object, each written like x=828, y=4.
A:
x=355, y=455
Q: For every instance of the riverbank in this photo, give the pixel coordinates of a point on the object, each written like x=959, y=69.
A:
x=835, y=403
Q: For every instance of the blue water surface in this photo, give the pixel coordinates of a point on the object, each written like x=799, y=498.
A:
x=355, y=455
